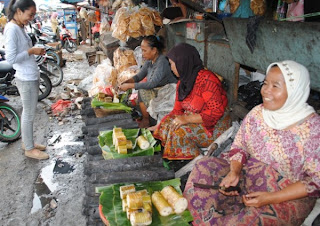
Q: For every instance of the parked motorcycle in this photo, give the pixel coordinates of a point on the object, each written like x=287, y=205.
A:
x=67, y=41
x=48, y=65
x=10, y=126
x=8, y=87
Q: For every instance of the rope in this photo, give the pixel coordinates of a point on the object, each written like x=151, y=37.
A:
x=302, y=16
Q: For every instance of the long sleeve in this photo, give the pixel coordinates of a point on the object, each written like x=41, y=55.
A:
x=158, y=74
x=142, y=73
x=215, y=100
x=12, y=54
x=238, y=148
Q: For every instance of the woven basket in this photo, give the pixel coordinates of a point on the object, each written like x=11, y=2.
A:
x=101, y=112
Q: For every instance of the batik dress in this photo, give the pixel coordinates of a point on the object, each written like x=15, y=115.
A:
x=208, y=99
x=272, y=160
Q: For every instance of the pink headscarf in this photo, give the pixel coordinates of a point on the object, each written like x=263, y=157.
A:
x=54, y=15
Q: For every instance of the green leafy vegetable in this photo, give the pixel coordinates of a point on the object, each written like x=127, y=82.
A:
x=110, y=106
x=112, y=206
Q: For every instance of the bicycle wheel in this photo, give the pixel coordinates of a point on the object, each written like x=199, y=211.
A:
x=55, y=56
x=53, y=71
x=10, y=126
x=45, y=86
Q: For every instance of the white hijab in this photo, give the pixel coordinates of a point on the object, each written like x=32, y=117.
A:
x=295, y=108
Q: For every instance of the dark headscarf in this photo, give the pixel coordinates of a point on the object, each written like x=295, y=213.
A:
x=188, y=63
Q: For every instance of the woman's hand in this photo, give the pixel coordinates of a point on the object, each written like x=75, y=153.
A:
x=126, y=86
x=257, y=199
x=232, y=179
x=179, y=121
x=36, y=51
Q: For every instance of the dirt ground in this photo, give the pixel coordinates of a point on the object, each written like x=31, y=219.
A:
x=31, y=193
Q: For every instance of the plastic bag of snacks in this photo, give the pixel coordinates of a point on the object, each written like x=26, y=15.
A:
x=120, y=23
x=123, y=58
x=135, y=26
x=127, y=74
x=104, y=76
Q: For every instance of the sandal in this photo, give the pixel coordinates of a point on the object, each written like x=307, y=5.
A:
x=36, y=154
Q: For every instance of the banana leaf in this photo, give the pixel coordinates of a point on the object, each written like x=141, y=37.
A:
x=109, y=151
x=111, y=106
x=112, y=205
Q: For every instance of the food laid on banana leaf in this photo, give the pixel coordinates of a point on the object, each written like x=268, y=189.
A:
x=147, y=203
x=124, y=143
x=137, y=205
x=112, y=101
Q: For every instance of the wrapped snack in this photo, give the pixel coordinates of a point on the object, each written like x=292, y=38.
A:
x=176, y=200
x=148, y=26
x=134, y=200
x=129, y=144
x=116, y=4
x=127, y=3
x=143, y=142
x=102, y=78
x=258, y=7
x=122, y=149
x=120, y=24
x=234, y=4
x=127, y=74
x=140, y=218
x=157, y=20
x=123, y=58
x=124, y=205
x=126, y=189
x=161, y=204
x=135, y=26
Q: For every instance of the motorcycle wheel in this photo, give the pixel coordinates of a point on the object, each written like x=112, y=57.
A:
x=45, y=86
x=53, y=70
x=55, y=56
x=70, y=46
x=10, y=126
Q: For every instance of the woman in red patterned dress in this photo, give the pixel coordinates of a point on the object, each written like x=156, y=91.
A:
x=198, y=117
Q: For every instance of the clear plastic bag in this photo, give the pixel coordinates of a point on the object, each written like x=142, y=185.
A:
x=104, y=26
x=120, y=24
x=104, y=76
x=127, y=74
x=123, y=58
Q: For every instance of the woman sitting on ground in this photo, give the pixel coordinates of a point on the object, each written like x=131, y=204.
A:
x=157, y=72
x=197, y=118
x=274, y=159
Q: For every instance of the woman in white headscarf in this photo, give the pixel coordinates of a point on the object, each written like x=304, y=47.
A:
x=274, y=159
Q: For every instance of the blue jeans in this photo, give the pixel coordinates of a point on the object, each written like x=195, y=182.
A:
x=29, y=91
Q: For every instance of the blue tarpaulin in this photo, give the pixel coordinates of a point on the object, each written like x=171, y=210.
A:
x=71, y=1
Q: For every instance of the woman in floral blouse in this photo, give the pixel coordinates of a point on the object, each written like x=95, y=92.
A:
x=197, y=118
x=274, y=158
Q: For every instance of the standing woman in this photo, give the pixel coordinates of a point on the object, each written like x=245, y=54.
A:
x=157, y=72
x=20, y=53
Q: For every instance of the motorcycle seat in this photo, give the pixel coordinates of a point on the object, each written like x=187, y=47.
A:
x=5, y=67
